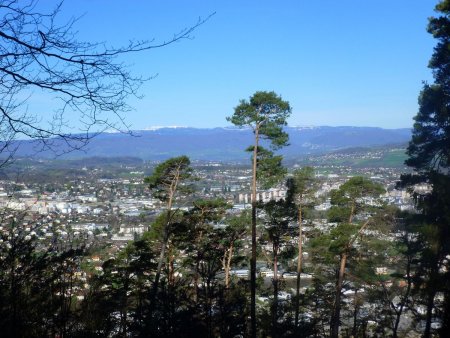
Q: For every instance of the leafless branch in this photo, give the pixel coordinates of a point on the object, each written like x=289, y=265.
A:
x=83, y=79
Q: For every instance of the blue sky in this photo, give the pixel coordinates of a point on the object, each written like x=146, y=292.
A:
x=348, y=62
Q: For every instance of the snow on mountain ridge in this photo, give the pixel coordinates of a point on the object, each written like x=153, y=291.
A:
x=152, y=128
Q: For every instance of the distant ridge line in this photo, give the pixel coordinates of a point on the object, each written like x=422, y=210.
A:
x=224, y=143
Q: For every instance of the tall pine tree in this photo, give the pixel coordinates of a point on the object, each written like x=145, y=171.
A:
x=429, y=156
x=266, y=114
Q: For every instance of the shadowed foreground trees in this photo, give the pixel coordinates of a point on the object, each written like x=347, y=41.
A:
x=51, y=290
x=429, y=156
x=36, y=283
x=276, y=221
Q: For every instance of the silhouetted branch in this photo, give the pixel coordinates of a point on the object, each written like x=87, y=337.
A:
x=89, y=81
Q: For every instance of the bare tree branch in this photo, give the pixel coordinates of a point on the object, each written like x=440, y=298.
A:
x=87, y=80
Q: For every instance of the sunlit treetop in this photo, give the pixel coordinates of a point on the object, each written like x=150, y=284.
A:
x=265, y=113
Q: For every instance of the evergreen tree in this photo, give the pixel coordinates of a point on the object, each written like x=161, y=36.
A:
x=38, y=283
x=200, y=220
x=266, y=114
x=232, y=235
x=348, y=208
x=429, y=156
x=277, y=219
x=167, y=182
x=302, y=187
x=393, y=291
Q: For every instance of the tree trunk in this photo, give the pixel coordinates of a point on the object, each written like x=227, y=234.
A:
x=253, y=258
x=228, y=266
x=171, y=277
x=355, y=313
x=197, y=266
x=335, y=316
x=123, y=309
x=404, y=299
x=275, y=292
x=173, y=188
x=15, y=324
x=299, y=266
x=196, y=277
x=446, y=309
x=429, y=315
x=159, y=267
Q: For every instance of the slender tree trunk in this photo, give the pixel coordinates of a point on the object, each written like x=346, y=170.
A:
x=228, y=266
x=299, y=266
x=224, y=267
x=123, y=309
x=170, y=286
x=197, y=266
x=196, y=277
x=429, y=315
x=253, y=258
x=404, y=299
x=15, y=325
x=209, y=302
x=253, y=274
x=446, y=308
x=352, y=211
x=171, y=276
x=66, y=304
x=165, y=240
x=355, y=313
x=335, y=317
x=397, y=321
x=275, y=292
x=160, y=262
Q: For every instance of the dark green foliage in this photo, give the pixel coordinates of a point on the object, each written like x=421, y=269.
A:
x=166, y=183
x=353, y=204
x=302, y=185
x=237, y=225
x=429, y=156
x=208, y=211
x=37, y=286
x=278, y=215
x=348, y=200
x=269, y=168
x=429, y=148
x=232, y=310
x=115, y=302
x=301, y=188
x=159, y=225
x=267, y=112
x=430, y=144
x=166, y=176
x=191, y=300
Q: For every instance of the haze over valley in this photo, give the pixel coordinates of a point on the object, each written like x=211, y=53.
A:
x=224, y=144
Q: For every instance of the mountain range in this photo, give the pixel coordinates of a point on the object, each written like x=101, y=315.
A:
x=224, y=144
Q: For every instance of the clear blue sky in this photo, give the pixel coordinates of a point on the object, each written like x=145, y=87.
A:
x=348, y=62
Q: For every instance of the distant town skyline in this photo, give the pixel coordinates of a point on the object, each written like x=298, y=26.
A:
x=337, y=63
